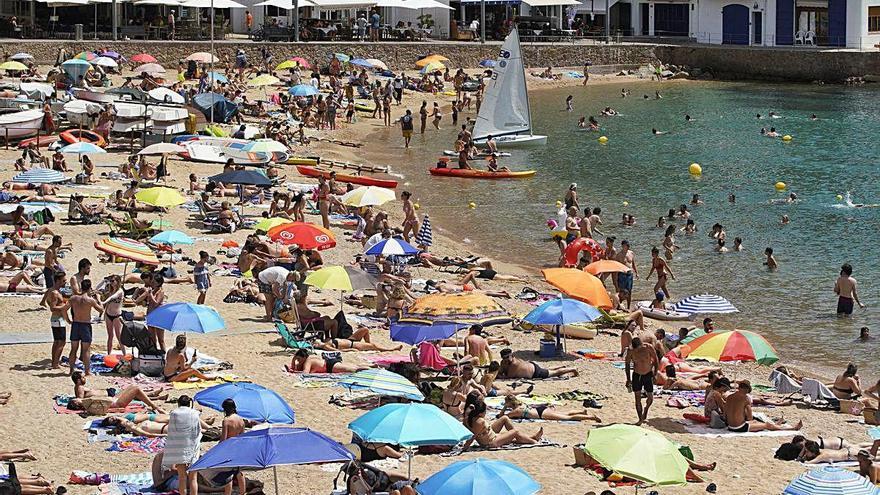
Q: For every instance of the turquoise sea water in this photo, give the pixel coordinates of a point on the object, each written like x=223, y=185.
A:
x=793, y=307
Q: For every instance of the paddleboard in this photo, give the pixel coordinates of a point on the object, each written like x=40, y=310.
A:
x=481, y=174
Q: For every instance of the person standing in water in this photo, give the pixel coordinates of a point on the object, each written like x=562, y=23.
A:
x=410, y=221
x=568, y=106
x=845, y=288
x=660, y=266
x=571, y=196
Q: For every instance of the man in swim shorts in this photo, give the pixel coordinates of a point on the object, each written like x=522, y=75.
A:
x=642, y=358
x=81, y=306
x=514, y=367
x=625, y=280
x=845, y=288
x=59, y=318
x=738, y=413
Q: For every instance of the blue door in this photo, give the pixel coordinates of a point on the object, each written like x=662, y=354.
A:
x=735, y=25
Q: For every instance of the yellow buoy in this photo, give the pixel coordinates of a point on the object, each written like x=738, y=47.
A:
x=417, y=206
x=626, y=203
x=780, y=186
x=559, y=204
x=786, y=138
x=472, y=205
x=695, y=169
x=839, y=197
x=603, y=139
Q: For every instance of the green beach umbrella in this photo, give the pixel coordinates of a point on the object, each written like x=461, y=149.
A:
x=637, y=453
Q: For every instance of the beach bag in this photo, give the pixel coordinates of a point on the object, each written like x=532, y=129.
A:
x=148, y=364
x=96, y=407
x=10, y=485
x=716, y=421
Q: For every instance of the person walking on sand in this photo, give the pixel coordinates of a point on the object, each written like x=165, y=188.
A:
x=202, y=276
x=406, y=127
x=642, y=359
x=410, y=221
x=845, y=288
x=58, y=318
x=81, y=306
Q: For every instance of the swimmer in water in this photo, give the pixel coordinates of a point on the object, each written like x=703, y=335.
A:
x=773, y=115
x=624, y=93
x=770, y=263
x=791, y=198
x=657, y=95
x=646, y=97
x=695, y=200
x=661, y=223
x=594, y=124
x=687, y=118
x=772, y=133
x=758, y=116
x=737, y=244
x=864, y=335
x=657, y=133
x=763, y=131
x=609, y=112
x=582, y=123
x=814, y=117
x=690, y=227
x=568, y=107
x=785, y=220
x=719, y=248
x=731, y=198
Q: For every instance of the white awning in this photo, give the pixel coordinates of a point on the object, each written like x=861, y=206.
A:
x=424, y=4
x=343, y=4
x=550, y=3
x=217, y=4
x=172, y=3
x=65, y=3
x=284, y=4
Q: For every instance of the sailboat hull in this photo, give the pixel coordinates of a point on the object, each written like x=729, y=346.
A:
x=517, y=140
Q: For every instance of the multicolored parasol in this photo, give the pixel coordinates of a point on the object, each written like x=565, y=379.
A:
x=304, y=235
x=738, y=345
x=129, y=249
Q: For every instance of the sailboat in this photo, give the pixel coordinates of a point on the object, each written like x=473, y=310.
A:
x=504, y=113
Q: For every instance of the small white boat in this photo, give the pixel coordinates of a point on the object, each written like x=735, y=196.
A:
x=131, y=125
x=82, y=113
x=20, y=124
x=662, y=314
x=202, y=152
x=170, y=127
x=169, y=120
x=479, y=155
x=517, y=140
x=95, y=96
x=165, y=95
x=131, y=110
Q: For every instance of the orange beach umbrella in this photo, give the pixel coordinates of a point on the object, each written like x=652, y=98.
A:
x=579, y=285
x=606, y=266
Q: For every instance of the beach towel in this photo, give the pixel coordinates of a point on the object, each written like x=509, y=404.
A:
x=594, y=354
x=227, y=377
x=705, y=431
x=386, y=361
x=140, y=445
x=144, y=479
x=817, y=391
x=783, y=383
x=184, y=437
x=96, y=364
x=456, y=451
x=88, y=478
x=429, y=357
x=696, y=398
x=317, y=380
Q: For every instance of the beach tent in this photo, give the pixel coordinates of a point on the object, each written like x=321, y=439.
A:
x=216, y=105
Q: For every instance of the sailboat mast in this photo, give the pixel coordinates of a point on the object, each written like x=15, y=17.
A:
x=522, y=66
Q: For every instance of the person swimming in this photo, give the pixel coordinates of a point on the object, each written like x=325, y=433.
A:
x=687, y=118
x=772, y=133
x=655, y=132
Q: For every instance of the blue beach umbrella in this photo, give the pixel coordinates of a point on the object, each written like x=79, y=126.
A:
x=40, y=176
x=217, y=77
x=392, y=247
x=76, y=68
x=413, y=334
x=487, y=63
x=341, y=57
x=277, y=445
x=562, y=311
x=171, y=238
x=478, y=477
x=829, y=480
x=704, y=304
x=410, y=425
x=254, y=402
x=303, y=90
x=361, y=63
x=186, y=317
x=82, y=148
x=382, y=382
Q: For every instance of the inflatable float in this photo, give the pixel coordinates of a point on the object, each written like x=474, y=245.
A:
x=480, y=174
x=350, y=179
x=82, y=136
x=661, y=314
x=40, y=141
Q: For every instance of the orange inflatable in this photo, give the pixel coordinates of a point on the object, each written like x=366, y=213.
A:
x=573, y=250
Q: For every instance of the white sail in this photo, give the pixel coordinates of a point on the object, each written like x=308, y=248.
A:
x=505, y=107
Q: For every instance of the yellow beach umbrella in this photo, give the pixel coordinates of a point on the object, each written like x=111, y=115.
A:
x=160, y=197
x=433, y=67
x=267, y=223
x=287, y=64
x=465, y=307
x=263, y=80
x=368, y=196
x=430, y=58
x=13, y=65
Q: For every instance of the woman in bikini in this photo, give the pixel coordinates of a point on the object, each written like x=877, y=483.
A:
x=495, y=434
x=669, y=242
x=346, y=345
x=515, y=409
x=145, y=428
x=21, y=283
x=305, y=362
x=324, y=192
x=660, y=266
x=112, y=301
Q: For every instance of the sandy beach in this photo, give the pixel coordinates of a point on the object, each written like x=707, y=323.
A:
x=745, y=465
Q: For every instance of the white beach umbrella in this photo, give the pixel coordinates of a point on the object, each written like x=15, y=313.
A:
x=217, y=4
x=161, y=149
x=104, y=62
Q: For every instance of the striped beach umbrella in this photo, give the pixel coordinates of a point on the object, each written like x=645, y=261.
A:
x=737, y=345
x=129, y=249
x=425, y=238
x=704, y=304
x=392, y=247
x=382, y=382
x=40, y=176
x=831, y=480
x=464, y=307
x=367, y=196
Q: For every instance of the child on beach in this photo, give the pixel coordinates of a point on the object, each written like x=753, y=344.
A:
x=202, y=277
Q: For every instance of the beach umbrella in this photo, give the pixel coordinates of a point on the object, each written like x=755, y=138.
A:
x=202, y=57
x=263, y=80
x=828, y=480
x=82, y=148
x=303, y=90
x=704, y=304
x=344, y=278
x=253, y=402
x=480, y=476
x=413, y=334
x=40, y=176
x=465, y=308
x=301, y=61
x=171, y=238
x=287, y=64
x=430, y=58
x=433, y=67
x=561, y=311
x=143, y=58
x=265, y=146
x=737, y=345
x=392, y=247
x=275, y=445
x=341, y=57
x=217, y=77
x=361, y=63
x=13, y=65
x=129, y=249
x=87, y=56
x=76, y=68
x=111, y=54
x=161, y=149
x=186, y=317
x=409, y=425
x=367, y=196
x=425, y=238
x=267, y=223
x=165, y=95
x=22, y=56
x=487, y=63
x=637, y=453
x=382, y=382
x=242, y=177
x=150, y=68
x=580, y=285
x=105, y=62
x=161, y=197
x=606, y=266
x=587, y=244
x=305, y=235
x=378, y=64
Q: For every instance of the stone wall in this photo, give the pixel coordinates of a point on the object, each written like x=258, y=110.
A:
x=396, y=55
x=772, y=64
